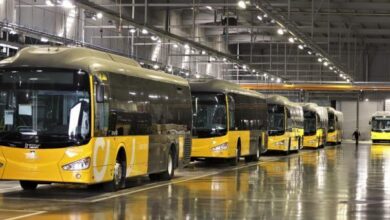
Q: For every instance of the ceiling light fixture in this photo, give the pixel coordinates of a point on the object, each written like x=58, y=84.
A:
x=291, y=40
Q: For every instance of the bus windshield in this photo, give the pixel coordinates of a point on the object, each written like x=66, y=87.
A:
x=381, y=124
x=209, y=114
x=276, y=122
x=44, y=108
x=310, y=123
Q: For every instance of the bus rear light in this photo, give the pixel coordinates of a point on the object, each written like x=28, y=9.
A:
x=220, y=147
x=78, y=165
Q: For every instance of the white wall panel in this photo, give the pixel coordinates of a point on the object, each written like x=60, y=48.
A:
x=366, y=109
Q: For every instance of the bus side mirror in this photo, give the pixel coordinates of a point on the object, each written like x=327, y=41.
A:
x=99, y=93
x=369, y=122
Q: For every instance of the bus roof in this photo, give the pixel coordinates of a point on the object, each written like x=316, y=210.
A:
x=222, y=86
x=381, y=113
x=282, y=100
x=338, y=114
x=278, y=99
x=85, y=59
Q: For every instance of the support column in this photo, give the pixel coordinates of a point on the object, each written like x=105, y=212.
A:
x=357, y=110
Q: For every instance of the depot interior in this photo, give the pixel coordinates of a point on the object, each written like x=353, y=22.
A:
x=334, y=53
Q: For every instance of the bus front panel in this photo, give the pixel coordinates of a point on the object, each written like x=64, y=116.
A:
x=278, y=136
x=380, y=129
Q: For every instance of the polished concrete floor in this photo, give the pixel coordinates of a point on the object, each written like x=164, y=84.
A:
x=342, y=182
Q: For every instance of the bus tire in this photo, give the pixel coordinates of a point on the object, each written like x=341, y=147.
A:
x=234, y=161
x=119, y=177
x=169, y=172
x=28, y=185
x=256, y=156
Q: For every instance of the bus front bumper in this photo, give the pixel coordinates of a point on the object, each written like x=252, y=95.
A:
x=277, y=143
x=216, y=147
x=310, y=141
x=41, y=165
x=380, y=136
x=332, y=137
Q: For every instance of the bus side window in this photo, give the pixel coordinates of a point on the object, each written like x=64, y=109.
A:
x=232, y=124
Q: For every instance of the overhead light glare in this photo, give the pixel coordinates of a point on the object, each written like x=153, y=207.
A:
x=300, y=46
x=49, y=3
x=241, y=4
x=144, y=31
x=44, y=40
x=280, y=31
x=67, y=4
x=291, y=40
x=259, y=18
x=209, y=7
x=99, y=15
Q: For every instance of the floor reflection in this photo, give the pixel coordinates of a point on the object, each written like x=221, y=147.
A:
x=342, y=182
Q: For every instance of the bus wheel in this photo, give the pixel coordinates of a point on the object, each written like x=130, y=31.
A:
x=119, y=178
x=255, y=157
x=234, y=161
x=28, y=185
x=169, y=172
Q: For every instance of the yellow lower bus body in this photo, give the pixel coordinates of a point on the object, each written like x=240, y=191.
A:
x=287, y=141
x=313, y=141
x=46, y=165
x=380, y=136
x=333, y=137
x=221, y=147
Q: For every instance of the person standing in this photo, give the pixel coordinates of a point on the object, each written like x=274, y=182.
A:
x=356, y=135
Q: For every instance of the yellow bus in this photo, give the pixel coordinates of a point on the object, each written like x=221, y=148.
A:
x=380, y=126
x=335, y=126
x=285, y=120
x=228, y=122
x=315, y=125
x=76, y=115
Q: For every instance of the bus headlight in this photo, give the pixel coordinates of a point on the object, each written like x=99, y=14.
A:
x=78, y=165
x=220, y=147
